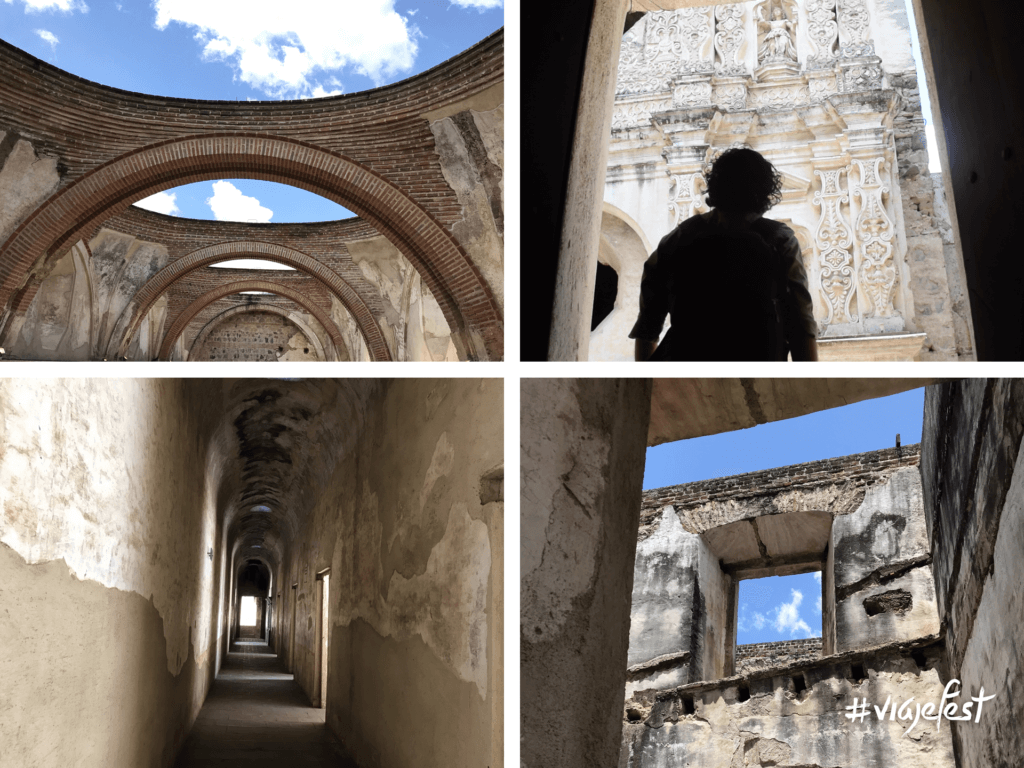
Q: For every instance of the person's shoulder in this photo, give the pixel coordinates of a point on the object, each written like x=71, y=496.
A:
x=685, y=229
x=776, y=231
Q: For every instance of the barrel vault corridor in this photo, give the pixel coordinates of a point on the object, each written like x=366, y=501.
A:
x=251, y=572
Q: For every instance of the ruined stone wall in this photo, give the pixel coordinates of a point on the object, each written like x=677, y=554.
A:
x=859, y=519
x=974, y=502
x=111, y=606
x=795, y=716
x=782, y=653
x=422, y=160
x=255, y=337
x=410, y=523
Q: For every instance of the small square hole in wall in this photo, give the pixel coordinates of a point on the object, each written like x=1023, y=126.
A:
x=688, y=708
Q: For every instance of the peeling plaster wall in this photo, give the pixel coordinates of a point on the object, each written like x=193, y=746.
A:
x=582, y=448
x=680, y=604
x=104, y=523
x=883, y=584
x=469, y=146
x=973, y=473
x=777, y=726
x=413, y=321
x=410, y=525
x=26, y=179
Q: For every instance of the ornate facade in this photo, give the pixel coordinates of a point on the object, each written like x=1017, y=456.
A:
x=826, y=90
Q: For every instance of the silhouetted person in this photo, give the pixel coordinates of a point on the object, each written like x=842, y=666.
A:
x=733, y=281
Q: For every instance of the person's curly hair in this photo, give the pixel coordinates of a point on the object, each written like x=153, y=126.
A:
x=743, y=181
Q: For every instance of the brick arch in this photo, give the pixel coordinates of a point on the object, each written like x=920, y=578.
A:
x=188, y=314
x=143, y=300
x=76, y=210
x=214, y=322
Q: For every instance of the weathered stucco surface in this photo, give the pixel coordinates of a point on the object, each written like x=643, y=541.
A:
x=134, y=513
x=413, y=544
x=415, y=323
x=469, y=148
x=581, y=474
x=974, y=502
x=763, y=720
x=110, y=617
x=26, y=179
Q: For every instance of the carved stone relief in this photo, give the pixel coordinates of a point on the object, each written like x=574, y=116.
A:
x=729, y=36
x=668, y=44
x=823, y=32
x=687, y=196
x=834, y=240
x=731, y=96
x=692, y=94
x=855, y=29
x=780, y=97
x=874, y=233
x=860, y=77
x=636, y=113
x=776, y=32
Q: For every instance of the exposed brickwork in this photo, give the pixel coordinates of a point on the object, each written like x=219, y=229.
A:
x=860, y=469
x=183, y=318
x=373, y=152
x=251, y=337
x=327, y=241
x=778, y=654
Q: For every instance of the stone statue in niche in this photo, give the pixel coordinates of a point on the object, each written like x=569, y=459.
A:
x=778, y=34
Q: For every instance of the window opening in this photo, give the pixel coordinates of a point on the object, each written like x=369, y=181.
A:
x=778, y=620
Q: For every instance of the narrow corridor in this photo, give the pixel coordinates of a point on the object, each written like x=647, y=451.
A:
x=256, y=715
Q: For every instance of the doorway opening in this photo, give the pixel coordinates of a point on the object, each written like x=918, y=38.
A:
x=323, y=600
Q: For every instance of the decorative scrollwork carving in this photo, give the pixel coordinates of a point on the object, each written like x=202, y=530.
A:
x=731, y=96
x=822, y=87
x=874, y=232
x=635, y=113
x=860, y=77
x=668, y=44
x=823, y=31
x=855, y=27
x=688, y=196
x=834, y=240
x=729, y=35
x=697, y=94
x=780, y=97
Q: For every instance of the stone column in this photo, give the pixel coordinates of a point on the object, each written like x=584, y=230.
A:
x=581, y=225
x=582, y=450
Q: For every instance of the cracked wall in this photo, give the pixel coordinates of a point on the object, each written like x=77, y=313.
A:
x=860, y=519
x=104, y=524
x=765, y=719
x=410, y=526
x=974, y=504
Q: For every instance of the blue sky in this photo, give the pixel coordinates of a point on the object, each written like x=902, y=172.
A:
x=786, y=607
x=247, y=49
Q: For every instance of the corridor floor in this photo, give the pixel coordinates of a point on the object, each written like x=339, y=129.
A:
x=257, y=716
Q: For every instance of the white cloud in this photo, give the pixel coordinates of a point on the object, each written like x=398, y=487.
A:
x=817, y=576
x=787, y=617
x=229, y=204
x=277, y=47
x=64, y=6
x=483, y=5
x=48, y=37
x=413, y=12
x=161, y=202
x=758, y=621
